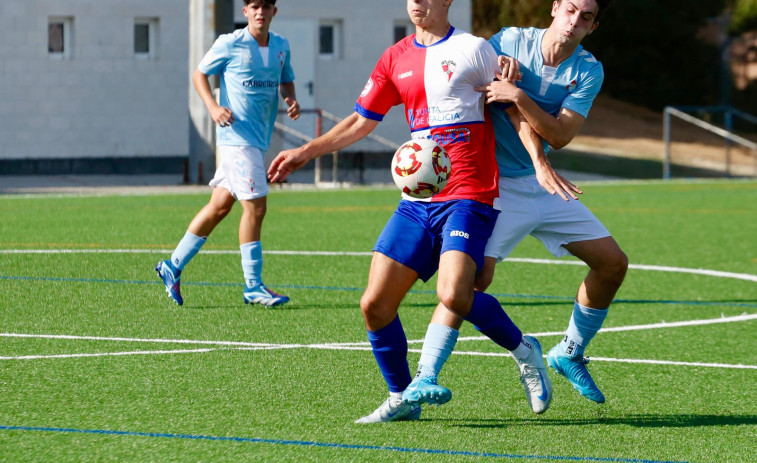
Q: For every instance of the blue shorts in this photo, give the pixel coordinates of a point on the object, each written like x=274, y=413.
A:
x=419, y=232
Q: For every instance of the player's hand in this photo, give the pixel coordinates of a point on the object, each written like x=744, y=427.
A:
x=509, y=68
x=293, y=109
x=285, y=163
x=502, y=91
x=222, y=116
x=555, y=183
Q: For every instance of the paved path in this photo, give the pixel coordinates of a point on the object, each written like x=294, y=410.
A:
x=151, y=184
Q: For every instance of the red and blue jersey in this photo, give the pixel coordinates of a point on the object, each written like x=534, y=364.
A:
x=436, y=84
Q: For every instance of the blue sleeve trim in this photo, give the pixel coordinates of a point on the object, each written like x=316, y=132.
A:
x=368, y=114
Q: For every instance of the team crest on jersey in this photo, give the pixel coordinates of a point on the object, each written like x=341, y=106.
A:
x=571, y=86
x=367, y=88
x=448, y=66
x=282, y=57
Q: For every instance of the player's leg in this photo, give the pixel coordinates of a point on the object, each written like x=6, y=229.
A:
x=203, y=223
x=456, y=278
x=388, y=282
x=569, y=227
x=403, y=252
x=607, y=268
x=251, y=248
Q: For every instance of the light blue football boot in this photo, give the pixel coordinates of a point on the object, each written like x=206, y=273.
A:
x=170, y=276
x=261, y=295
x=574, y=368
x=425, y=390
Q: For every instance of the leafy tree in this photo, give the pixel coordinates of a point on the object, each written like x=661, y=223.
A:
x=743, y=16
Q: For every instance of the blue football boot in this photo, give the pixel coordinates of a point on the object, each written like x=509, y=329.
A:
x=425, y=390
x=170, y=276
x=574, y=368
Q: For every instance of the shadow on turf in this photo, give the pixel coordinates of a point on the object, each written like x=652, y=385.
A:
x=640, y=421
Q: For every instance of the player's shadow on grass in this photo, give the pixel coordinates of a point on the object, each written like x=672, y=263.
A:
x=636, y=420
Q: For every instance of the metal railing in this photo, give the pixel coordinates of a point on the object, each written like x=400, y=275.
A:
x=320, y=115
x=681, y=112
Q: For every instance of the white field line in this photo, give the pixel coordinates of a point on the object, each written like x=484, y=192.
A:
x=654, y=268
x=365, y=346
x=709, y=321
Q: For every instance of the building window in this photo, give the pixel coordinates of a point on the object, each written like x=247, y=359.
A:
x=402, y=29
x=59, y=32
x=329, y=39
x=145, y=37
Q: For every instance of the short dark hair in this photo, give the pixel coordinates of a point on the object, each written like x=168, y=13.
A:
x=265, y=2
x=602, y=6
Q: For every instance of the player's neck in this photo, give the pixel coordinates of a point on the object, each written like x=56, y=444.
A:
x=431, y=35
x=260, y=35
x=555, y=49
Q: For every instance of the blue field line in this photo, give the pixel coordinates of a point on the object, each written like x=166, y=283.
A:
x=412, y=291
x=255, y=440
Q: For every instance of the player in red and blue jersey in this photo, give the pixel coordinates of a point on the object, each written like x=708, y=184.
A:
x=434, y=73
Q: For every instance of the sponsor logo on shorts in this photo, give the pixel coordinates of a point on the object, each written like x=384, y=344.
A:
x=459, y=233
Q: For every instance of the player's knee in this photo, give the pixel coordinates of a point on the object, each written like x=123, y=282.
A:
x=455, y=300
x=374, y=313
x=615, y=267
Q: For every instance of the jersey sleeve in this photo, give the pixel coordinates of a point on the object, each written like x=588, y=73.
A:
x=380, y=93
x=217, y=57
x=582, y=98
x=485, y=62
x=287, y=73
x=504, y=41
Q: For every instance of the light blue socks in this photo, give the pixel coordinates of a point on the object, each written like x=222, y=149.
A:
x=188, y=247
x=252, y=263
x=584, y=324
x=438, y=344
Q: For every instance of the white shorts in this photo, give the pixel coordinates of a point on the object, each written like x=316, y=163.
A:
x=242, y=172
x=527, y=209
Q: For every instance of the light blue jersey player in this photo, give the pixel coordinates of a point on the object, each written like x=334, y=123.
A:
x=558, y=83
x=253, y=65
x=552, y=88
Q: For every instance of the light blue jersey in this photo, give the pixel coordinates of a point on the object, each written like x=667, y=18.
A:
x=572, y=85
x=249, y=85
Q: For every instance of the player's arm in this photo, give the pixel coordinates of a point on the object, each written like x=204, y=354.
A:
x=287, y=92
x=557, y=131
x=350, y=130
x=221, y=116
x=547, y=177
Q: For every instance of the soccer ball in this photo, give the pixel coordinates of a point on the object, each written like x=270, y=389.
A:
x=421, y=168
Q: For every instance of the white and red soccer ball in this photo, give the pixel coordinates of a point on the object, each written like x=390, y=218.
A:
x=421, y=168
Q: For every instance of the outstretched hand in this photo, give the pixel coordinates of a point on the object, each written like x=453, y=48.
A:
x=285, y=163
x=555, y=183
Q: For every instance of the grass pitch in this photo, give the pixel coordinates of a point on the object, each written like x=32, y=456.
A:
x=97, y=364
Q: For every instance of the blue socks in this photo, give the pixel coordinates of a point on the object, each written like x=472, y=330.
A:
x=252, y=263
x=438, y=344
x=390, y=349
x=188, y=247
x=584, y=324
x=489, y=318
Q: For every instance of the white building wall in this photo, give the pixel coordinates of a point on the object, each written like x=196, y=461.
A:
x=101, y=101
x=104, y=102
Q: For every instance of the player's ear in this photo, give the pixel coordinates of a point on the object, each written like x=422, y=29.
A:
x=593, y=26
x=275, y=10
